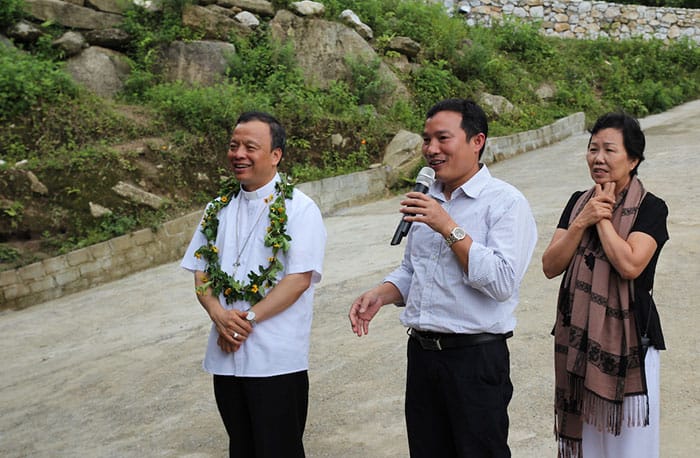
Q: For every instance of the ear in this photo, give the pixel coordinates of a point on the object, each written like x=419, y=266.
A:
x=479, y=140
x=634, y=163
x=276, y=156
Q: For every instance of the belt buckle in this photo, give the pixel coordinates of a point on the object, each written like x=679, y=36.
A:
x=426, y=343
x=431, y=344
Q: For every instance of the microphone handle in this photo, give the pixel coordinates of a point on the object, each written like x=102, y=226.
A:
x=404, y=226
x=401, y=231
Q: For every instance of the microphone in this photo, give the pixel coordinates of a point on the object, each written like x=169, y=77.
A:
x=425, y=178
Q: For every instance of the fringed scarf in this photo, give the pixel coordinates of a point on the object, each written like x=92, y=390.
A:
x=597, y=355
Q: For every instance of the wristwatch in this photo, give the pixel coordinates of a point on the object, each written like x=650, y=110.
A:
x=456, y=235
x=250, y=317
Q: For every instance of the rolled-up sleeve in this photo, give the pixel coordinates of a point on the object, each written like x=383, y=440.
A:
x=498, y=264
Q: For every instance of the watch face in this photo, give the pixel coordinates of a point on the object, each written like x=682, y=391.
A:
x=458, y=233
x=250, y=316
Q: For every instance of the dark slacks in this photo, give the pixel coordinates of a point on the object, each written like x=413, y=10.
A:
x=457, y=401
x=264, y=417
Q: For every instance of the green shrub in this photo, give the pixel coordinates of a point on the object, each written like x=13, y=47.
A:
x=434, y=81
x=366, y=82
x=207, y=110
x=10, y=12
x=8, y=254
x=26, y=82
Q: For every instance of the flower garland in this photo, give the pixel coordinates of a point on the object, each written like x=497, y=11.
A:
x=219, y=281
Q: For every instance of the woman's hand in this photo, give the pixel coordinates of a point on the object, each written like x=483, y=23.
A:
x=599, y=207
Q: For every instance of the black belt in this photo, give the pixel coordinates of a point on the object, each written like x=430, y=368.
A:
x=440, y=341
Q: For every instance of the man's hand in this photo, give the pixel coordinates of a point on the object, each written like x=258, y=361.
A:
x=419, y=207
x=232, y=327
x=362, y=311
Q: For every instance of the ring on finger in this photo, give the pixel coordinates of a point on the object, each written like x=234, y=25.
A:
x=235, y=335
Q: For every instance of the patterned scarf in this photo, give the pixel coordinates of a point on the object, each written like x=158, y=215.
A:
x=597, y=353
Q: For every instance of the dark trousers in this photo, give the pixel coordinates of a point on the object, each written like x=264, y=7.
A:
x=264, y=417
x=457, y=401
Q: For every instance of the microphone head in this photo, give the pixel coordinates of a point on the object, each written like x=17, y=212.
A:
x=426, y=176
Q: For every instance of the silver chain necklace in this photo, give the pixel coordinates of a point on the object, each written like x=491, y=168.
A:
x=239, y=254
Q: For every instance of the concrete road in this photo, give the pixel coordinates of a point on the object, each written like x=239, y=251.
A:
x=115, y=371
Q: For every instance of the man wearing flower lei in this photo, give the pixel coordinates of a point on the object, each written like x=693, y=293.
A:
x=256, y=257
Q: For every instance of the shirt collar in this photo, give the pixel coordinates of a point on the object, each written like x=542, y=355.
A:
x=262, y=192
x=472, y=188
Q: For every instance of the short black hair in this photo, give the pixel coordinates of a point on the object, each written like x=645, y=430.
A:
x=632, y=135
x=277, y=132
x=473, y=117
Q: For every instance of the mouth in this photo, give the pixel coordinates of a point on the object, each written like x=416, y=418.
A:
x=436, y=162
x=241, y=166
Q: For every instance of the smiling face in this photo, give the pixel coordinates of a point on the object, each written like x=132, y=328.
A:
x=250, y=153
x=608, y=160
x=447, y=150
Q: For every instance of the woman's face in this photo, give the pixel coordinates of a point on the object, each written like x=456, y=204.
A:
x=608, y=160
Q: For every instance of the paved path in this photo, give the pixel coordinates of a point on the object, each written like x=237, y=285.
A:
x=115, y=372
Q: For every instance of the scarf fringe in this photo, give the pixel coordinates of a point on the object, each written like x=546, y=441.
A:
x=570, y=448
x=607, y=415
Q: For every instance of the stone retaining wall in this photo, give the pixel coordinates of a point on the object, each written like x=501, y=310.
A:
x=140, y=250
x=587, y=19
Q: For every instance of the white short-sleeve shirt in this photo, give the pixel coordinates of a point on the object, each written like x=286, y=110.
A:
x=279, y=345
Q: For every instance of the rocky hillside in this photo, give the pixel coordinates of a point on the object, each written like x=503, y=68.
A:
x=53, y=203
x=115, y=114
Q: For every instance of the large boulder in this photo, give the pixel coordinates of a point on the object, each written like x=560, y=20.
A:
x=497, y=105
x=261, y=7
x=308, y=8
x=24, y=32
x=112, y=38
x=196, y=62
x=405, y=46
x=214, y=25
x=70, y=15
x=349, y=18
x=71, y=43
x=110, y=6
x=402, y=155
x=101, y=70
x=322, y=47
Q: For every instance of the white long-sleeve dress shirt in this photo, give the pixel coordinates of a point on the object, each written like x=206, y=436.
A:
x=438, y=294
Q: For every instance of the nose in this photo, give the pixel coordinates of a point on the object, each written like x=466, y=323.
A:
x=234, y=151
x=430, y=147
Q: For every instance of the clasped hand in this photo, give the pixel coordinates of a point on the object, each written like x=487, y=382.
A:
x=233, y=329
x=600, y=206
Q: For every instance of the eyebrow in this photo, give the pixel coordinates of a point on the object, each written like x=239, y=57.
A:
x=439, y=132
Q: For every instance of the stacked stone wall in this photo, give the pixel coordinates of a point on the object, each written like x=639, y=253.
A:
x=588, y=19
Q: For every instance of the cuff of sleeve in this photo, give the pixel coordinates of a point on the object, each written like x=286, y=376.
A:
x=476, y=274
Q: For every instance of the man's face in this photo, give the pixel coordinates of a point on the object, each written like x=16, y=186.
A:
x=250, y=153
x=447, y=150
